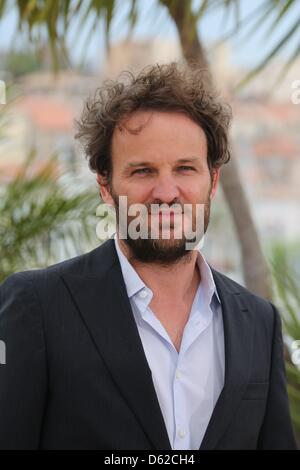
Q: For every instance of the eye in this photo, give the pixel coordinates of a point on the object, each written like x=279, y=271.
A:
x=142, y=171
x=186, y=168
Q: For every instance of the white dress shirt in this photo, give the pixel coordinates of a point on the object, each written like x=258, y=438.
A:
x=187, y=383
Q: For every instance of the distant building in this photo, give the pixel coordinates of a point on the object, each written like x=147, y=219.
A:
x=134, y=55
x=42, y=118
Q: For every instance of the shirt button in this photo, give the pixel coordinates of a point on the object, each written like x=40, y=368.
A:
x=178, y=374
x=143, y=294
x=181, y=433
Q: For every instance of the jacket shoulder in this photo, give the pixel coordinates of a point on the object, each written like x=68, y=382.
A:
x=92, y=264
x=252, y=301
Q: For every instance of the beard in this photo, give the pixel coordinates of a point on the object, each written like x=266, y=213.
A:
x=162, y=251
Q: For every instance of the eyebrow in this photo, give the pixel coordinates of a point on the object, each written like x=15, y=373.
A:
x=180, y=160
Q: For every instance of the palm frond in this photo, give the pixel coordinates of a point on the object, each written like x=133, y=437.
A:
x=55, y=18
x=295, y=28
x=40, y=222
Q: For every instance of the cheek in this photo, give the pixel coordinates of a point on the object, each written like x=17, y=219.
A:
x=197, y=191
x=134, y=192
x=136, y=188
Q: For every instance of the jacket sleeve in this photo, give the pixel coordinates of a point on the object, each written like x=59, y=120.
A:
x=23, y=374
x=277, y=431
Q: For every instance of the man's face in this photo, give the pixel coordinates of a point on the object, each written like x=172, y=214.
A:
x=160, y=157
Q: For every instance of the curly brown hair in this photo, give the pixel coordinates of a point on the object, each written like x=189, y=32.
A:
x=169, y=87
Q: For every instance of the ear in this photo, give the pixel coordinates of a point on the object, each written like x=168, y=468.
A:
x=215, y=181
x=104, y=189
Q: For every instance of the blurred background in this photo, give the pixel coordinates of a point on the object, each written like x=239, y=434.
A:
x=53, y=54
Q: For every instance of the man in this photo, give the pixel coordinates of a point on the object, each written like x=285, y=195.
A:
x=139, y=344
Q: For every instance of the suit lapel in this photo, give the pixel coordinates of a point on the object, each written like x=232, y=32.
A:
x=105, y=308
x=238, y=336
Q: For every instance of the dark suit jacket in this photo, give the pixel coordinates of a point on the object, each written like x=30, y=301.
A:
x=76, y=376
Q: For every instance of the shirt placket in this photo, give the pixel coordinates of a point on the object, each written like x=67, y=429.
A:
x=181, y=429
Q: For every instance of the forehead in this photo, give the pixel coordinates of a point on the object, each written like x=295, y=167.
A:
x=157, y=134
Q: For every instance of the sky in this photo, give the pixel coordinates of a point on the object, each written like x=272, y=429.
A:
x=247, y=50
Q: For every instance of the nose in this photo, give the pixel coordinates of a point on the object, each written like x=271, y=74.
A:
x=165, y=189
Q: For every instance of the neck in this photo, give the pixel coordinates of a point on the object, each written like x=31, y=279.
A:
x=175, y=281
